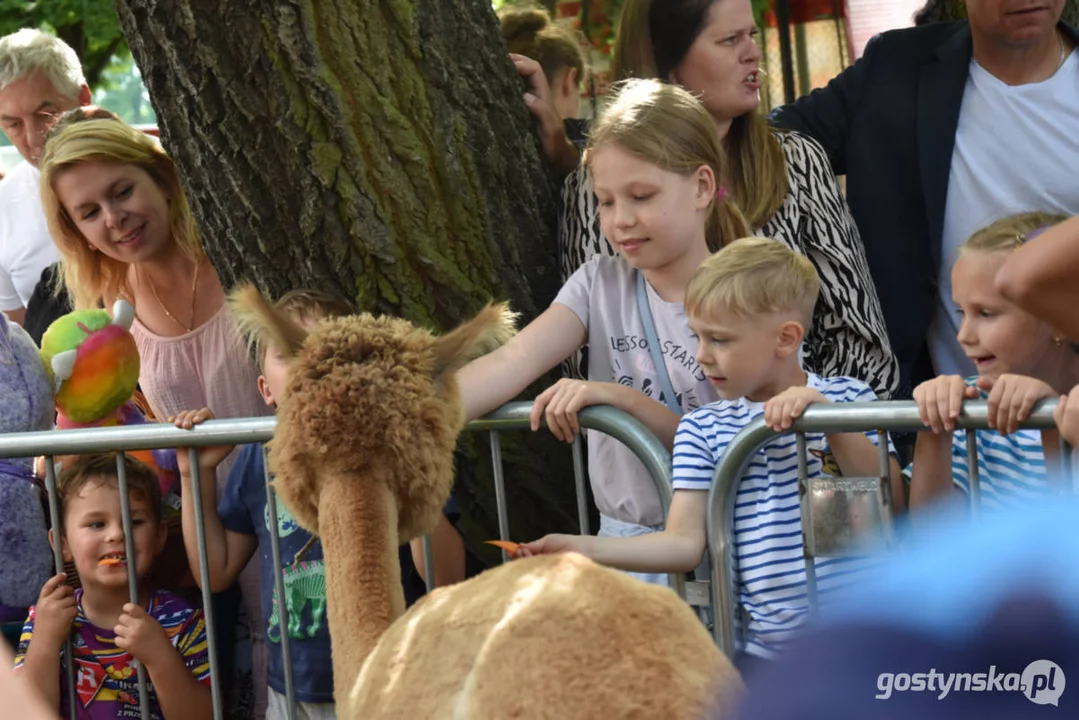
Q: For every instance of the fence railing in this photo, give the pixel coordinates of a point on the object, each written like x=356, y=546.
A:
x=832, y=418
x=513, y=416
x=721, y=593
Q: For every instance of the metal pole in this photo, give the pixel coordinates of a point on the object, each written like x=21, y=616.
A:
x=204, y=581
x=428, y=563
x=807, y=552
x=279, y=590
x=972, y=474
x=579, y=479
x=55, y=520
x=786, y=61
x=132, y=572
x=500, y=490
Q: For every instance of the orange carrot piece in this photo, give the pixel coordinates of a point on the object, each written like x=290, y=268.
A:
x=504, y=544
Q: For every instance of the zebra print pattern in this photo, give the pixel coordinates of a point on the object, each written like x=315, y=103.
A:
x=848, y=337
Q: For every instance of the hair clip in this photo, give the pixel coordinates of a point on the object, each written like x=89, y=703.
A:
x=1025, y=238
x=721, y=193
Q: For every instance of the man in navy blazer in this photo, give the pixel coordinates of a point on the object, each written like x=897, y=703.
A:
x=940, y=130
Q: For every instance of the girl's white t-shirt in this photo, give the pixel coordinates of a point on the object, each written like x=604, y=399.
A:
x=602, y=293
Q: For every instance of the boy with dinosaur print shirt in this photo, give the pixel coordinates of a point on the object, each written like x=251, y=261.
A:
x=239, y=524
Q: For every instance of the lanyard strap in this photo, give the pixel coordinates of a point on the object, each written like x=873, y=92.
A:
x=645, y=310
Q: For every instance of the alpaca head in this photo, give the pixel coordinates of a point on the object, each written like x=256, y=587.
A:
x=369, y=399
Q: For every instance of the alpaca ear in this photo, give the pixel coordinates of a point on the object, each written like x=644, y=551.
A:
x=260, y=322
x=491, y=328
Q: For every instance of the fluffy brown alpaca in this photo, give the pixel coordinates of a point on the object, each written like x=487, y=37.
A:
x=363, y=457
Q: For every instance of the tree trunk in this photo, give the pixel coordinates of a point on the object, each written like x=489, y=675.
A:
x=378, y=150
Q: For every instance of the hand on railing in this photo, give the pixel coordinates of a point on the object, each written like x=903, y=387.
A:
x=209, y=457
x=142, y=637
x=1066, y=416
x=1011, y=398
x=561, y=402
x=940, y=401
x=54, y=612
x=781, y=411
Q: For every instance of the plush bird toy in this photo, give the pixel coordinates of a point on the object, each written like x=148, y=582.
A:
x=25, y=405
x=94, y=366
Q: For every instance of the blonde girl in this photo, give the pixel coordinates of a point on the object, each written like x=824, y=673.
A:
x=1019, y=359
x=655, y=158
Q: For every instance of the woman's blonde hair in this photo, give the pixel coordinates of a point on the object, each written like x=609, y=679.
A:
x=1010, y=232
x=529, y=31
x=653, y=39
x=665, y=125
x=91, y=276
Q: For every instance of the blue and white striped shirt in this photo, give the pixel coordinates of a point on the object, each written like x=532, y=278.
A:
x=767, y=512
x=1011, y=469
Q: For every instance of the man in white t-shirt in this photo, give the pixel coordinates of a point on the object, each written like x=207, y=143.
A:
x=40, y=79
x=941, y=130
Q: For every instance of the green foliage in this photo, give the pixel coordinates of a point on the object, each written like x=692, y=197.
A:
x=122, y=91
x=91, y=27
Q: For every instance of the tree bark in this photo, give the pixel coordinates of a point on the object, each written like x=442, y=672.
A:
x=377, y=150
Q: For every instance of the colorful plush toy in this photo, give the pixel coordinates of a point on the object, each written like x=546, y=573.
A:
x=94, y=365
x=26, y=405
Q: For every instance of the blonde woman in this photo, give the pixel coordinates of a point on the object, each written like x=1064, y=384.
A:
x=116, y=211
x=783, y=182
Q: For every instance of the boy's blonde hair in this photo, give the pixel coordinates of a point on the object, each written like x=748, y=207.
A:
x=92, y=276
x=666, y=126
x=306, y=306
x=755, y=276
x=1010, y=232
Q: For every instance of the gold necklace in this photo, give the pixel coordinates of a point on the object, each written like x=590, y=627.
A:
x=194, y=295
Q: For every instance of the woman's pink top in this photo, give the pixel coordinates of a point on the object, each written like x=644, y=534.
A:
x=208, y=367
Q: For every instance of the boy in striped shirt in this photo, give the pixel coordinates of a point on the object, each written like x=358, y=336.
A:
x=750, y=305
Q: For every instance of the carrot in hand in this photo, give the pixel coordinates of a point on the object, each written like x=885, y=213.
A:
x=505, y=545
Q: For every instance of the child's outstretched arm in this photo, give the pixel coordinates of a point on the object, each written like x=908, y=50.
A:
x=679, y=547
x=227, y=552
x=496, y=378
x=180, y=695
x=448, y=554
x=1040, y=277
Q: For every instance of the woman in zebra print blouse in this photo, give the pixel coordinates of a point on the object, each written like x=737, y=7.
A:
x=782, y=180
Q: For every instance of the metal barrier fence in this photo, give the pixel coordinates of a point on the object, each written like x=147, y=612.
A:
x=513, y=416
x=846, y=417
